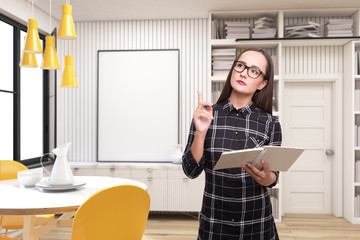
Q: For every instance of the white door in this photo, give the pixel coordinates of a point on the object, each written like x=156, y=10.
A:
x=307, y=123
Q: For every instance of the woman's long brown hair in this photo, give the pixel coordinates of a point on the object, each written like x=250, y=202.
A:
x=262, y=98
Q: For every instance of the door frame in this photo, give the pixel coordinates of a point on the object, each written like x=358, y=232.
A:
x=337, y=127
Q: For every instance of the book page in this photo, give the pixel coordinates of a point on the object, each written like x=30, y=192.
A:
x=278, y=158
x=235, y=159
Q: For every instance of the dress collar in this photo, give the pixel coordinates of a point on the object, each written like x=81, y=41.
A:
x=228, y=107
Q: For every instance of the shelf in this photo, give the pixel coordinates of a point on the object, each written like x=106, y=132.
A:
x=357, y=184
x=274, y=42
x=223, y=78
x=288, y=13
x=356, y=112
x=245, y=43
x=337, y=12
x=357, y=148
x=244, y=14
x=321, y=41
x=218, y=78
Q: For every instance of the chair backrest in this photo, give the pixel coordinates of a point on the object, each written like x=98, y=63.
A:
x=9, y=169
x=119, y=212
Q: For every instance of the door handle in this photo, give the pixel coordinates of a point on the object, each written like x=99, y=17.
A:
x=329, y=152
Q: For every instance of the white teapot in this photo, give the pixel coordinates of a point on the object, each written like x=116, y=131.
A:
x=61, y=173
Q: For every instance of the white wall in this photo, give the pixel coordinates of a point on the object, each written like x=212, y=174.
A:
x=77, y=108
x=20, y=11
x=313, y=60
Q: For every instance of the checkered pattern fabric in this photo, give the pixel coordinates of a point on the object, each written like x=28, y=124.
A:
x=234, y=205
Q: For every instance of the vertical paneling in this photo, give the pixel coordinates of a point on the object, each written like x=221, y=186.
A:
x=77, y=108
x=312, y=60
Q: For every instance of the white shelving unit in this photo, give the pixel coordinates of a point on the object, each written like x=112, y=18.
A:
x=282, y=19
x=274, y=46
x=351, y=144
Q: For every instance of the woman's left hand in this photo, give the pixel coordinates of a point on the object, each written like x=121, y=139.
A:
x=264, y=177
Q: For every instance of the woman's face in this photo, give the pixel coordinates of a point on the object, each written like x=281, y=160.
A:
x=241, y=82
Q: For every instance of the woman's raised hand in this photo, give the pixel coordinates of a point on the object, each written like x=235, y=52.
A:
x=202, y=117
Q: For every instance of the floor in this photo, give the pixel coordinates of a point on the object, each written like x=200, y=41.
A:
x=292, y=227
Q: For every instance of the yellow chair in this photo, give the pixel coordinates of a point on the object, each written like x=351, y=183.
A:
x=6, y=238
x=119, y=212
x=8, y=171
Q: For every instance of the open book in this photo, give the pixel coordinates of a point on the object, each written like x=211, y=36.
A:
x=278, y=158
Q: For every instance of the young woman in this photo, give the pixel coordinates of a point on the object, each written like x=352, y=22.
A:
x=236, y=203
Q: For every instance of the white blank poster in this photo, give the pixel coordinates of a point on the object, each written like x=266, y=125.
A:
x=138, y=99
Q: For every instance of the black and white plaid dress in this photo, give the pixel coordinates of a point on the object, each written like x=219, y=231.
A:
x=234, y=205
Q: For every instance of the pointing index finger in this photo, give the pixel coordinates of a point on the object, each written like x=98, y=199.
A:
x=200, y=97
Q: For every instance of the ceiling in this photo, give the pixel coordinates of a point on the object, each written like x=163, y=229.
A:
x=97, y=10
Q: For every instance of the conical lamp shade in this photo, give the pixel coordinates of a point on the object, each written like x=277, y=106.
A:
x=32, y=44
x=66, y=28
x=28, y=60
x=50, y=60
x=68, y=77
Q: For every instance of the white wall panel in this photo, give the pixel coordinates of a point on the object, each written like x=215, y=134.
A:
x=312, y=60
x=77, y=108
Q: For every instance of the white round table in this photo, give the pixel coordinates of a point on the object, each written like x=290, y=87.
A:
x=17, y=200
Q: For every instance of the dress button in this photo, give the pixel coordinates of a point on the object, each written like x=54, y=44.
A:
x=232, y=220
x=233, y=176
x=236, y=133
x=258, y=140
x=233, y=198
x=237, y=114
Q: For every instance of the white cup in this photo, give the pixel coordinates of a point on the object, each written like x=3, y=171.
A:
x=28, y=178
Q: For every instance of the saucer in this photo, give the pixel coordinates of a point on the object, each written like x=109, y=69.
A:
x=45, y=185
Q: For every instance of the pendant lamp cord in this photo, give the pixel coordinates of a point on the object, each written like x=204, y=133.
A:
x=50, y=15
x=28, y=4
x=32, y=8
x=67, y=42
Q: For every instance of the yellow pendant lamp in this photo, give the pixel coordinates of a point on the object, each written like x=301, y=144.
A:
x=66, y=28
x=32, y=44
x=50, y=60
x=28, y=60
x=68, y=77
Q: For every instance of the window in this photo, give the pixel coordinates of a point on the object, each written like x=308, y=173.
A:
x=6, y=91
x=31, y=109
x=24, y=99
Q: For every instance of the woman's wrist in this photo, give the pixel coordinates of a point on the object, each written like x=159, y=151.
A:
x=200, y=134
x=274, y=180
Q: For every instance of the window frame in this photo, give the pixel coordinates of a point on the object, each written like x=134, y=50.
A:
x=33, y=162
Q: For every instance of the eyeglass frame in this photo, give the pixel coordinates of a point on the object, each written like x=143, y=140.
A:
x=247, y=68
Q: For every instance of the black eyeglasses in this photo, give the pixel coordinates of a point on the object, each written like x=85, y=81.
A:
x=253, y=72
